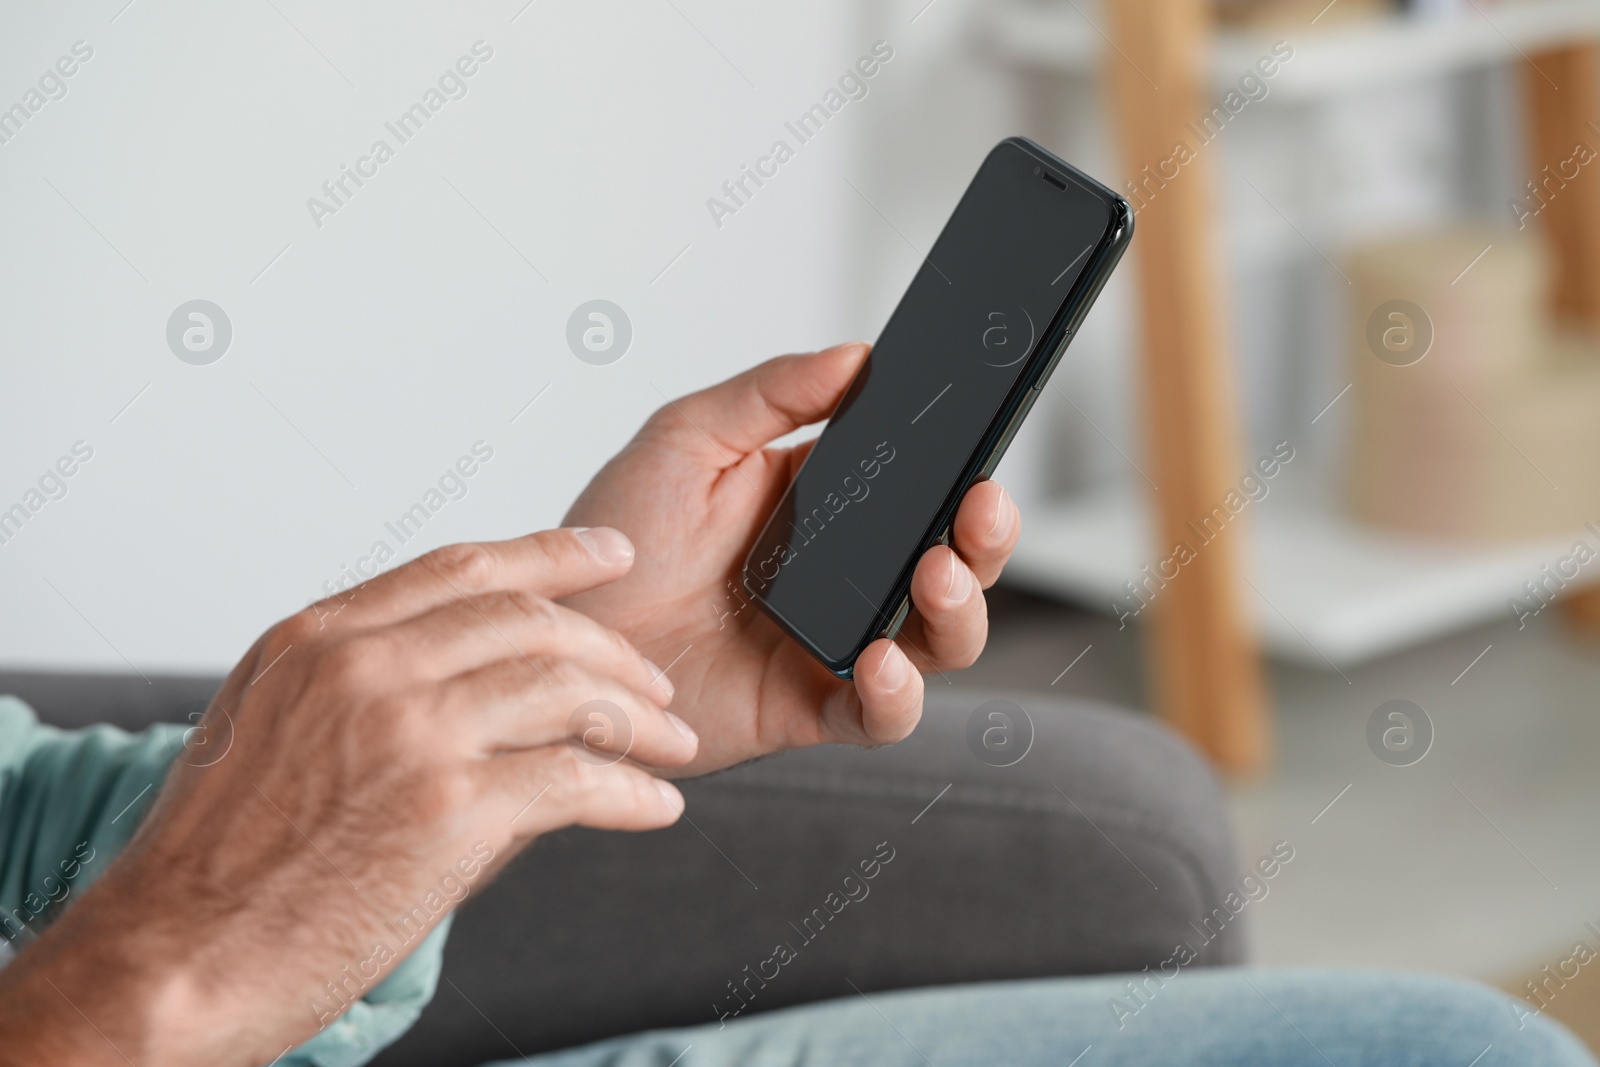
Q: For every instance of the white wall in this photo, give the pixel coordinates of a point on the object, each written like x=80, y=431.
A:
x=405, y=328
x=378, y=347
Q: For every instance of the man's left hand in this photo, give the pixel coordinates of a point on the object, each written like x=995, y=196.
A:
x=692, y=490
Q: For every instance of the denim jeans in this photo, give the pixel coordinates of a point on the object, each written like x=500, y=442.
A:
x=1206, y=1018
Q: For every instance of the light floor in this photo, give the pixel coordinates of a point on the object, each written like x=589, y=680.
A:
x=1479, y=860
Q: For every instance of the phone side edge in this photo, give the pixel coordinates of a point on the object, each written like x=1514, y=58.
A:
x=1113, y=244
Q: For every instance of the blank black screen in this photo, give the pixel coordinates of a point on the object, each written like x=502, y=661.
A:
x=865, y=501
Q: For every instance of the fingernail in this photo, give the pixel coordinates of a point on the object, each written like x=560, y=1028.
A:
x=606, y=545
x=660, y=677
x=684, y=728
x=1005, y=513
x=960, y=581
x=670, y=796
x=895, y=670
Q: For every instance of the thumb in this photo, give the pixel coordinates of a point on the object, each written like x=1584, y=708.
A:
x=748, y=411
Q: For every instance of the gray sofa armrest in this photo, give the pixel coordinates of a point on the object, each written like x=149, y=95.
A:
x=1098, y=852
x=1101, y=850
x=130, y=701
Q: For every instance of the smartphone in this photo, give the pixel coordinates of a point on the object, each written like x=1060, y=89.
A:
x=955, y=371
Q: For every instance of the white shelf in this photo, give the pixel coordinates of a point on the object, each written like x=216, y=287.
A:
x=1325, y=591
x=1327, y=60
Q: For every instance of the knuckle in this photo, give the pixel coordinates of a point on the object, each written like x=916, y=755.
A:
x=675, y=417
x=643, y=792
x=467, y=566
x=589, y=776
x=601, y=731
x=663, y=419
x=625, y=646
x=298, y=629
x=543, y=682
x=595, y=637
x=559, y=673
x=569, y=775
x=530, y=606
x=620, y=646
x=349, y=664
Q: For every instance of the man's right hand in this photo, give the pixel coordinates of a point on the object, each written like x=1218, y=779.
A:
x=378, y=747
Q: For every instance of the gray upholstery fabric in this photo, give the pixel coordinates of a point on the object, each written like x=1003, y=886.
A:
x=125, y=700
x=588, y=934
x=1098, y=852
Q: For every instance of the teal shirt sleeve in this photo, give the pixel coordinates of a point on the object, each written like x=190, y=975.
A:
x=69, y=802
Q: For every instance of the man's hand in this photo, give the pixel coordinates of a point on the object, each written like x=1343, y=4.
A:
x=692, y=490
x=379, y=753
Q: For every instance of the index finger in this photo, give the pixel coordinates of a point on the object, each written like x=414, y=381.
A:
x=551, y=563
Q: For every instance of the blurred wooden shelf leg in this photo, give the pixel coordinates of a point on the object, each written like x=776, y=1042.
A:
x=1561, y=97
x=1203, y=655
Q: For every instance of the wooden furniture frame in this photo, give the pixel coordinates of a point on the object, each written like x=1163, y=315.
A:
x=1561, y=91
x=1206, y=668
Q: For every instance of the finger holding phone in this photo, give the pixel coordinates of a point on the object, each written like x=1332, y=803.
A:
x=798, y=595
